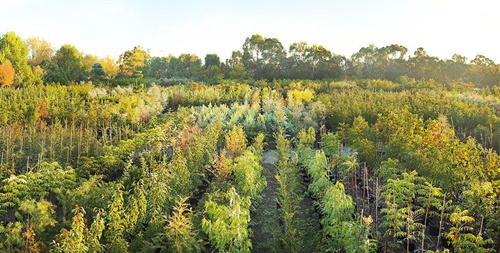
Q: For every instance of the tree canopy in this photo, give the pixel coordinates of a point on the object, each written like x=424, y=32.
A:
x=13, y=49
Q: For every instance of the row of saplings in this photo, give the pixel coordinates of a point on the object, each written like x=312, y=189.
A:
x=387, y=210
x=236, y=187
x=412, y=212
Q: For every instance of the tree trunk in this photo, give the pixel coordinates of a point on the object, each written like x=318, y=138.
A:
x=408, y=229
x=376, y=205
x=423, y=230
x=441, y=222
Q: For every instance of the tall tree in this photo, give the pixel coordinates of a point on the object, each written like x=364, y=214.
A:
x=88, y=62
x=132, y=60
x=109, y=65
x=185, y=66
x=212, y=60
x=234, y=68
x=212, y=72
x=264, y=57
x=363, y=62
x=156, y=67
x=318, y=58
x=39, y=50
x=296, y=62
x=455, y=69
x=67, y=66
x=423, y=66
x=13, y=49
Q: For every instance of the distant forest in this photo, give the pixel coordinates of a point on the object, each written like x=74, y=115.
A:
x=35, y=61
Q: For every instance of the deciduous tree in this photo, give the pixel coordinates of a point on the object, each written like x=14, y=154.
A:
x=40, y=50
x=7, y=73
x=13, y=49
x=67, y=66
x=109, y=65
x=132, y=60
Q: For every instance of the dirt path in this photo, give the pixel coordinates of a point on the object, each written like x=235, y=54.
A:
x=264, y=219
x=265, y=216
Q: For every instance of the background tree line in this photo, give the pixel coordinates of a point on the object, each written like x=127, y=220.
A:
x=35, y=60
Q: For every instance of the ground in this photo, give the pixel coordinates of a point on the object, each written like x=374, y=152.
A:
x=265, y=217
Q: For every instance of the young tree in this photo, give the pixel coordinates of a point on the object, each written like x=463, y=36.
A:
x=80, y=238
x=399, y=211
x=289, y=195
x=236, y=141
x=227, y=224
x=344, y=232
x=429, y=196
x=305, y=144
x=7, y=74
x=461, y=236
x=180, y=230
x=248, y=175
x=318, y=169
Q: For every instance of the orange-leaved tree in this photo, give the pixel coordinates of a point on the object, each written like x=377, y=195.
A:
x=7, y=73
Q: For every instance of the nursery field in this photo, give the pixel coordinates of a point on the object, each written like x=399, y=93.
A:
x=263, y=166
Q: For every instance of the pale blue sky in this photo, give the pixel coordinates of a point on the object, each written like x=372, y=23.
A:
x=109, y=27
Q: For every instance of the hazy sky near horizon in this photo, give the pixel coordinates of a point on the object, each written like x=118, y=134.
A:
x=110, y=27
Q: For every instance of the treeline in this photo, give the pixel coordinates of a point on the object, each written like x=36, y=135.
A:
x=34, y=60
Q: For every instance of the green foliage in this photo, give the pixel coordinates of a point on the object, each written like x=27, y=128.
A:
x=97, y=71
x=136, y=151
x=180, y=230
x=10, y=236
x=122, y=219
x=236, y=141
x=305, y=142
x=248, y=175
x=185, y=66
x=258, y=144
x=132, y=60
x=49, y=182
x=80, y=238
x=342, y=232
x=116, y=219
x=13, y=49
x=389, y=169
x=40, y=213
x=289, y=196
x=398, y=195
x=331, y=145
x=318, y=168
x=227, y=224
x=66, y=67
x=461, y=236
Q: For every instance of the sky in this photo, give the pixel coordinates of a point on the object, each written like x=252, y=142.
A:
x=110, y=27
